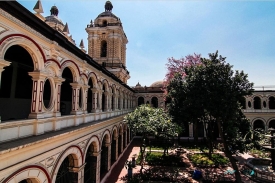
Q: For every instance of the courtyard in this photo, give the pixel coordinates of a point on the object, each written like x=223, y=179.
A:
x=179, y=172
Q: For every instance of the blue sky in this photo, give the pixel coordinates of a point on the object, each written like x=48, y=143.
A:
x=242, y=31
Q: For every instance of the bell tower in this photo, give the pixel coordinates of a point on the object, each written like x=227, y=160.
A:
x=107, y=43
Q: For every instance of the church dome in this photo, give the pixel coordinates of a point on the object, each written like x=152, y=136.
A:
x=157, y=84
x=53, y=20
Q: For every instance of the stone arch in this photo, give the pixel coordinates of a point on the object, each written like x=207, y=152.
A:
x=93, y=140
x=77, y=154
x=154, y=101
x=259, y=123
x=52, y=68
x=28, y=44
x=271, y=123
x=271, y=102
x=73, y=67
x=35, y=172
x=106, y=132
x=141, y=100
x=106, y=84
x=114, y=131
x=257, y=102
x=84, y=78
x=94, y=79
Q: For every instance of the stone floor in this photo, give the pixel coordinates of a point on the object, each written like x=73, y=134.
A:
x=119, y=171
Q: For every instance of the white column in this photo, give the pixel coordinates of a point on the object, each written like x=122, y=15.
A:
x=37, y=94
x=80, y=173
x=100, y=100
x=98, y=157
x=94, y=96
x=75, y=98
x=109, y=155
x=57, y=94
x=85, y=98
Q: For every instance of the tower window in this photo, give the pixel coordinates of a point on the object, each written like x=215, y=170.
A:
x=104, y=23
x=103, y=49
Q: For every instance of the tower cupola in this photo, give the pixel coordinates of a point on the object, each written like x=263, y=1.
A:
x=107, y=42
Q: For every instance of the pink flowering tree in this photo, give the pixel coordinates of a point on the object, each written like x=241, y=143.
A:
x=173, y=89
x=176, y=66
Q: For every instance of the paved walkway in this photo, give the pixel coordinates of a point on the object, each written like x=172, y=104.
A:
x=119, y=171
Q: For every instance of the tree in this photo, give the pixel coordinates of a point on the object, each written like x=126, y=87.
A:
x=212, y=90
x=150, y=121
x=173, y=87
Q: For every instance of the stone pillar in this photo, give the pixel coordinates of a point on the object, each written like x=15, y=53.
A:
x=37, y=94
x=106, y=106
x=57, y=91
x=78, y=173
x=116, y=139
x=85, y=98
x=110, y=101
x=94, y=96
x=100, y=100
x=75, y=98
x=108, y=145
x=98, y=157
x=121, y=145
x=116, y=101
x=3, y=64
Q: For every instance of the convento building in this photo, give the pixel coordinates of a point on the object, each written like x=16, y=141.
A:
x=62, y=106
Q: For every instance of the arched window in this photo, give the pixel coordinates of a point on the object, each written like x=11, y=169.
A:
x=66, y=92
x=140, y=101
x=91, y=164
x=258, y=124
x=16, y=84
x=271, y=103
x=154, y=102
x=104, y=24
x=90, y=97
x=257, y=103
x=271, y=124
x=103, y=49
x=64, y=175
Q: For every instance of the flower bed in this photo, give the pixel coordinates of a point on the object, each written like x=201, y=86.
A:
x=202, y=159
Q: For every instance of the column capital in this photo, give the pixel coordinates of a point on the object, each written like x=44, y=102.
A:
x=86, y=86
x=75, y=85
x=106, y=93
x=4, y=63
x=58, y=80
x=36, y=75
x=77, y=169
x=95, y=153
x=108, y=144
x=94, y=90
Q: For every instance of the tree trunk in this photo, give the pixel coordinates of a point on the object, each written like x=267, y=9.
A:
x=142, y=151
x=228, y=154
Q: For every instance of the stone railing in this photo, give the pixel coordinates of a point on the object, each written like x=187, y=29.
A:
x=17, y=129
